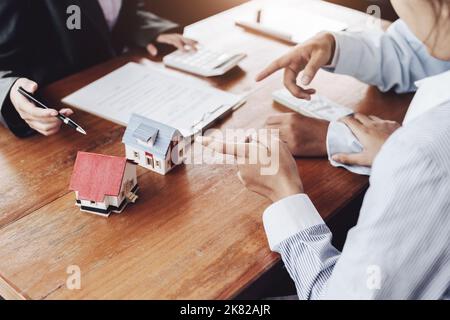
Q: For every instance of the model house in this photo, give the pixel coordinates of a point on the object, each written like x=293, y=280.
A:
x=153, y=145
x=103, y=184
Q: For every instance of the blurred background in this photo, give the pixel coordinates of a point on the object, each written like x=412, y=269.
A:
x=186, y=12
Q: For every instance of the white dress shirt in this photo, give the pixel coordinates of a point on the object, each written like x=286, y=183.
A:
x=111, y=11
x=400, y=248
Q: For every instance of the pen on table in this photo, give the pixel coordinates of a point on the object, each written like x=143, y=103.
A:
x=63, y=118
x=258, y=16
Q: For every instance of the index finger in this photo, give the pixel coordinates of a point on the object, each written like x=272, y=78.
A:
x=190, y=42
x=228, y=148
x=354, y=125
x=276, y=119
x=290, y=82
x=365, y=120
x=35, y=112
x=278, y=64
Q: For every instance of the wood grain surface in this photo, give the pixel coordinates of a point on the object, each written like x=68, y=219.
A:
x=194, y=234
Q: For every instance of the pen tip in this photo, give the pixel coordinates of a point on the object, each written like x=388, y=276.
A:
x=81, y=131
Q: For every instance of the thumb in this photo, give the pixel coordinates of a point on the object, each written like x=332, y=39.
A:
x=311, y=69
x=358, y=159
x=29, y=85
x=66, y=112
x=152, y=50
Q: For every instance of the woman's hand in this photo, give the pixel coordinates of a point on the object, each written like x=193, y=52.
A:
x=304, y=136
x=309, y=58
x=174, y=39
x=372, y=132
x=284, y=183
x=43, y=121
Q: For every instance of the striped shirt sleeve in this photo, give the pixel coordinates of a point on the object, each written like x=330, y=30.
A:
x=399, y=248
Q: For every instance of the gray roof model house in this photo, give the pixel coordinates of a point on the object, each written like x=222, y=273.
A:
x=153, y=145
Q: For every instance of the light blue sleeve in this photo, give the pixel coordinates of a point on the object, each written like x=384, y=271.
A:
x=390, y=253
x=394, y=59
x=310, y=259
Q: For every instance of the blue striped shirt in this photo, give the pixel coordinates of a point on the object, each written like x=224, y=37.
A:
x=400, y=247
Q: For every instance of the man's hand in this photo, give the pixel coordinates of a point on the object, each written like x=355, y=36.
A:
x=372, y=132
x=286, y=182
x=304, y=136
x=309, y=58
x=42, y=120
x=174, y=39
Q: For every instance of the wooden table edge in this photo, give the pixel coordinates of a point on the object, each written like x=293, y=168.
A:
x=9, y=292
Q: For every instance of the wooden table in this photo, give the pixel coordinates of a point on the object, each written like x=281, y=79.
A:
x=194, y=234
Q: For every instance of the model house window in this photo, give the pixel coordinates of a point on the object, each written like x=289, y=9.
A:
x=93, y=202
x=150, y=162
x=128, y=186
x=181, y=152
x=158, y=164
x=136, y=155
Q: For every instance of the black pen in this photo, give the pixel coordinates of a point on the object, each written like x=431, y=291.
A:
x=61, y=117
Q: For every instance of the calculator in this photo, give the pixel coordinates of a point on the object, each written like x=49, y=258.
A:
x=319, y=107
x=203, y=62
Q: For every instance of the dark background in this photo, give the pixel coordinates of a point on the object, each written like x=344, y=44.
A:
x=186, y=12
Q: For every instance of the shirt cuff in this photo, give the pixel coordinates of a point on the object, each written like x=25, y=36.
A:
x=6, y=86
x=349, y=59
x=340, y=139
x=2, y=121
x=337, y=52
x=289, y=216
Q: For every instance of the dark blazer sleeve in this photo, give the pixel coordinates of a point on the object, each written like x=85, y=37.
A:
x=12, y=46
x=148, y=26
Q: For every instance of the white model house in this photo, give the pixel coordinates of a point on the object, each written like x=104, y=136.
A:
x=153, y=145
x=103, y=184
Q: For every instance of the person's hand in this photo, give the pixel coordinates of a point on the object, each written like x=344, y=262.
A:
x=173, y=39
x=304, y=136
x=372, y=132
x=43, y=121
x=309, y=58
x=284, y=183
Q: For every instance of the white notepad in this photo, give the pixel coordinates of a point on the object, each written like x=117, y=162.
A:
x=184, y=104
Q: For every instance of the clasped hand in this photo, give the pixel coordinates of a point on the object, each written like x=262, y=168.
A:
x=371, y=131
x=282, y=183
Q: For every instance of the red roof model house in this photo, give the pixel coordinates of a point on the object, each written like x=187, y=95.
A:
x=103, y=184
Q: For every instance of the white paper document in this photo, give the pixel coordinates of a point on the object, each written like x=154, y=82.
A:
x=184, y=104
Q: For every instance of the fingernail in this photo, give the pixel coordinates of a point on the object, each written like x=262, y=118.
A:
x=201, y=140
x=54, y=113
x=306, y=80
x=335, y=158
